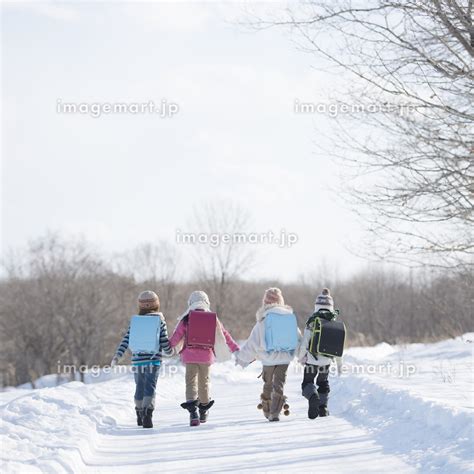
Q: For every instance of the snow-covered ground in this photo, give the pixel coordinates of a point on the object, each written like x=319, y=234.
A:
x=404, y=409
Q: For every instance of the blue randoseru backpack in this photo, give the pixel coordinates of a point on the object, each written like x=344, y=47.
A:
x=145, y=334
x=281, y=332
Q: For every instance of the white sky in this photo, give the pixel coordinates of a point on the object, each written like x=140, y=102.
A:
x=124, y=179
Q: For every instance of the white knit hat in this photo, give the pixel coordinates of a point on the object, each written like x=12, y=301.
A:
x=198, y=300
x=324, y=301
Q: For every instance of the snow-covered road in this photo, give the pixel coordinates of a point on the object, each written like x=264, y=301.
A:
x=375, y=426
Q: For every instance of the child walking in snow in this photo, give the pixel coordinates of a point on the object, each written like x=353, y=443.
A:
x=199, y=357
x=275, y=356
x=146, y=365
x=316, y=366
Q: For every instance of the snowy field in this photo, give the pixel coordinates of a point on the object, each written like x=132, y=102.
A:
x=384, y=418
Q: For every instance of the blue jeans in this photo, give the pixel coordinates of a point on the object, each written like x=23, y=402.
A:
x=146, y=377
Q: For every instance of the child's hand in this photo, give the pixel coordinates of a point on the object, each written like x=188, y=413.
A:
x=303, y=360
x=241, y=363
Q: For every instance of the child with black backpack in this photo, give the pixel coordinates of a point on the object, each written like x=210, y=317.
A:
x=273, y=340
x=316, y=364
x=145, y=363
x=200, y=338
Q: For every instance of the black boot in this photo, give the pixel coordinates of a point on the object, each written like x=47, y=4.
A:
x=313, y=407
x=310, y=393
x=323, y=410
x=203, y=411
x=139, y=413
x=192, y=407
x=147, y=418
x=323, y=404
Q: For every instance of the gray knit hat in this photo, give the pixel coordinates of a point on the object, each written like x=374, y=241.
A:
x=198, y=299
x=148, y=300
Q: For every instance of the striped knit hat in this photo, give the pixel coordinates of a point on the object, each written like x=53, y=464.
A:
x=148, y=300
x=273, y=296
x=324, y=301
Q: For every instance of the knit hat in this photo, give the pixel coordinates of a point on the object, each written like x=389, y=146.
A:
x=273, y=296
x=324, y=301
x=148, y=300
x=198, y=300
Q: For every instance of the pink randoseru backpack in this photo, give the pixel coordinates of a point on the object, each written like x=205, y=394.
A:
x=201, y=329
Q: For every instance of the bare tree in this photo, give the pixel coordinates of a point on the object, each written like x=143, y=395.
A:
x=57, y=305
x=407, y=126
x=156, y=265
x=224, y=254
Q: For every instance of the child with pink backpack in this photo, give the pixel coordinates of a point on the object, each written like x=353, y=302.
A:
x=201, y=339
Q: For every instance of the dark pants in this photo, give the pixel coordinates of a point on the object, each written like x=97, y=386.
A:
x=308, y=387
x=145, y=380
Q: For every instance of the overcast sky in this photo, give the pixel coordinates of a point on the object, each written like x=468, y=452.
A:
x=128, y=178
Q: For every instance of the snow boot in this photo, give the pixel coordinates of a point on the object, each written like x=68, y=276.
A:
x=323, y=404
x=310, y=393
x=276, y=406
x=265, y=406
x=313, y=407
x=192, y=407
x=147, y=418
x=323, y=410
x=139, y=413
x=203, y=411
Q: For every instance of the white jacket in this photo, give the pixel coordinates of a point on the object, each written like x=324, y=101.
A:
x=304, y=356
x=255, y=347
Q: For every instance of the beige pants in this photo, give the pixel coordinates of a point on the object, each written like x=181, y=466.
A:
x=274, y=378
x=197, y=382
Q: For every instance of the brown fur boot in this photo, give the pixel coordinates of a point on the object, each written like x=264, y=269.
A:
x=276, y=406
x=264, y=405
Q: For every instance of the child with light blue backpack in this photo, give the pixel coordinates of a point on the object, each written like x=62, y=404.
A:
x=147, y=338
x=274, y=340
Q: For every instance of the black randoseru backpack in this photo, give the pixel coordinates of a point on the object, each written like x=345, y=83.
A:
x=328, y=335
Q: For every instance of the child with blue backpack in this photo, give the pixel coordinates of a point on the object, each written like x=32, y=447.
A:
x=146, y=364
x=273, y=340
x=316, y=365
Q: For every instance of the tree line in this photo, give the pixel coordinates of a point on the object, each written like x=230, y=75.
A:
x=63, y=301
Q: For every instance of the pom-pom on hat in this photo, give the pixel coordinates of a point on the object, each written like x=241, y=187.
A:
x=273, y=296
x=324, y=301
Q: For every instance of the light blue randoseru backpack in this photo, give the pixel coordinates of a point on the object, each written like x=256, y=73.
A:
x=281, y=332
x=145, y=334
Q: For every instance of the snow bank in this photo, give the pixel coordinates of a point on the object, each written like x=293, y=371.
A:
x=427, y=416
x=41, y=428
x=444, y=371
x=432, y=436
